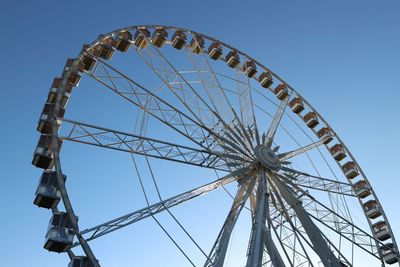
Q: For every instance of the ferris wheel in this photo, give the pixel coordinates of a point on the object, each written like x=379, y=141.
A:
x=199, y=103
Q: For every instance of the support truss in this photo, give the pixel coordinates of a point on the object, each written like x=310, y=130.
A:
x=306, y=180
x=126, y=142
x=217, y=255
x=123, y=221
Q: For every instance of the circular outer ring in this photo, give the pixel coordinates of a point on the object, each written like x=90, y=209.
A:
x=57, y=163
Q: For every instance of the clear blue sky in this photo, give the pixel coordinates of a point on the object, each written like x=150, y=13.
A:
x=343, y=56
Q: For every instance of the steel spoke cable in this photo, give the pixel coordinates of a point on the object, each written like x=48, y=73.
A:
x=203, y=101
x=152, y=215
x=242, y=126
x=257, y=137
x=229, y=193
x=211, y=98
x=237, y=137
x=144, y=129
x=169, y=212
x=163, y=120
x=199, y=121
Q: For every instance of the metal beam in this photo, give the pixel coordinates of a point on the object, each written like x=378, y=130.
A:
x=218, y=252
x=303, y=179
x=331, y=219
x=273, y=252
x=112, y=139
x=275, y=122
x=319, y=243
x=130, y=218
x=257, y=242
x=299, y=151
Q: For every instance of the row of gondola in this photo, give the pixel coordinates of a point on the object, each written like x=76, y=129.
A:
x=60, y=234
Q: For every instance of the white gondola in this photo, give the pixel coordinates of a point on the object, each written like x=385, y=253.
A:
x=215, y=51
x=350, y=170
x=296, y=104
x=51, y=97
x=388, y=253
x=123, y=41
x=104, y=49
x=372, y=209
x=141, y=37
x=178, y=40
x=47, y=194
x=381, y=230
x=325, y=134
x=338, y=152
x=361, y=189
x=311, y=119
x=45, y=120
x=232, y=59
x=88, y=61
x=75, y=75
x=43, y=155
x=60, y=234
x=249, y=67
x=281, y=91
x=197, y=44
x=159, y=37
x=265, y=79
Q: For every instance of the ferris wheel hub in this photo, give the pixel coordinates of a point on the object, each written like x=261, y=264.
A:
x=267, y=157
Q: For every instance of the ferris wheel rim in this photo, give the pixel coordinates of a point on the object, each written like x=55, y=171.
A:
x=54, y=134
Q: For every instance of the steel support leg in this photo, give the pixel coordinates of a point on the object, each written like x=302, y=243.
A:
x=319, y=244
x=254, y=258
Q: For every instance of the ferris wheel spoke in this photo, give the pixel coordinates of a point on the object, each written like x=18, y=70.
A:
x=216, y=92
x=186, y=93
x=313, y=232
x=338, y=224
x=269, y=138
x=217, y=254
x=131, y=143
x=133, y=217
x=299, y=151
x=150, y=103
x=245, y=101
x=306, y=180
x=245, y=125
